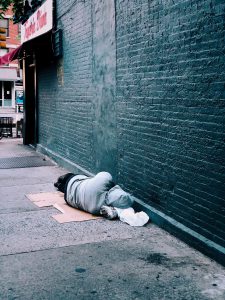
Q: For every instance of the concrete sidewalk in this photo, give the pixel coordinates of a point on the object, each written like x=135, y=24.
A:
x=98, y=259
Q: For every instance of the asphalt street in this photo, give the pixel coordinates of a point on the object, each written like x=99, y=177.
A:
x=98, y=259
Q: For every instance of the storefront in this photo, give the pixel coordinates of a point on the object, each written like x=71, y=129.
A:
x=6, y=94
x=40, y=44
x=36, y=39
x=8, y=78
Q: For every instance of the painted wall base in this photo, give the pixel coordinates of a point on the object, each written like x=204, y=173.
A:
x=182, y=232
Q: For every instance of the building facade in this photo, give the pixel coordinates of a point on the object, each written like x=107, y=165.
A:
x=139, y=92
x=11, y=86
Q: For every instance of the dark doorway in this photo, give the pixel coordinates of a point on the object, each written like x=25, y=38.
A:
x=30, y=103
x=38, y=51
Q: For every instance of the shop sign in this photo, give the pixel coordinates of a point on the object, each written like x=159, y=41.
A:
x=39, y=22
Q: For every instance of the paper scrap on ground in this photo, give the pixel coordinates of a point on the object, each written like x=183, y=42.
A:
x=56, y=199
x=129, y=216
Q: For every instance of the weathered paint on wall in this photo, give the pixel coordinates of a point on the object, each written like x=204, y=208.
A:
x=104, y=81
x=81, y=103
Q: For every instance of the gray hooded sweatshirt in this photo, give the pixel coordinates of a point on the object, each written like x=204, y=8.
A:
x=91, y=193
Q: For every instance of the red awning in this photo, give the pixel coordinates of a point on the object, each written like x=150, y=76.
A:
x=14, y=54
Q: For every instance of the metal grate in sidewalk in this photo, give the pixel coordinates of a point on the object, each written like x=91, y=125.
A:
x=24, y=162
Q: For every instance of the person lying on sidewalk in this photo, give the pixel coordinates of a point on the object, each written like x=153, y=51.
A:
x=99, y=195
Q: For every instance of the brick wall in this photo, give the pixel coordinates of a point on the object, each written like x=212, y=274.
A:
x=14, y=37
x=64, y=116
x=155, y=117
x=76, y=93
x=170, y=103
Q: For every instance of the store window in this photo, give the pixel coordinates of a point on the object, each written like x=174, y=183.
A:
x=5, y=24
x=5, y=93
x=0, y=93
x=2, y=53
x=19, y=28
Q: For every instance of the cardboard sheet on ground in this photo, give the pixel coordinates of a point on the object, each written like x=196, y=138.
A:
x=56, y=199
x=46, y=199
x=70, y=214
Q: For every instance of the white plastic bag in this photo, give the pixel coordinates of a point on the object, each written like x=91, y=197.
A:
x=130, y=217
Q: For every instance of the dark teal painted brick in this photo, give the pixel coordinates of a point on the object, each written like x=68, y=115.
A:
x=171, y=106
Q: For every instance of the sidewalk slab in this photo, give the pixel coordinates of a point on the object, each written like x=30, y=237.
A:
x=29, y=176
x=12, y=200
x=121, y=269
x=37, y=230
x=99, y=259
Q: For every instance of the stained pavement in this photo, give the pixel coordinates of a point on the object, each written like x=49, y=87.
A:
x=98, y=259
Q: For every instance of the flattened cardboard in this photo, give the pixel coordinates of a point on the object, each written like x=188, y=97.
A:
x=70, y=214
x=46, y=199
x=56, y=199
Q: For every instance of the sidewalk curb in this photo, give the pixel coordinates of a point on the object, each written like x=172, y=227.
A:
x=184, y=233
